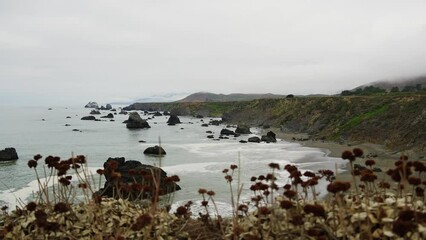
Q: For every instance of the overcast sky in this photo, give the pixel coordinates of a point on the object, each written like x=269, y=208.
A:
x=70, y=52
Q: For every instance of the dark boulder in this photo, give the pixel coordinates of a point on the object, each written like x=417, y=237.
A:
x=243, y=141
x=124, y=112
x=173, y=119
x=108, y=107
x=254, y=139
x=269, y=137
x=158, y=114
x=209, y=131
x=227, y=132
x=92, y=105
x=215, y=122
x=199, y=116
x=8, y=154
x=204, y=125
x=242, y=129
x=92, y=118
x=110, y=115
x=166, y=113
x=138, y=177
x=156, y=150
x=210, y=136
x=135, y=121
x=95, y=112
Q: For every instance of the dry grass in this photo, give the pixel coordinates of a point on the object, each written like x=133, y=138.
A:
x=365, y=208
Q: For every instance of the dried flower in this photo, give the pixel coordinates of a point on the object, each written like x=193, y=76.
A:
x=358, y=152
x=348, y=155
x=316, y=209
x=233, y=167
x=32, y=163
x=274, y=166
x=285, y=204
x=37, y=157
x=61, y=207
x=202, y=191
x=31, y=206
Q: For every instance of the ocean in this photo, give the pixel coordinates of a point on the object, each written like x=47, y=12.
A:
x=197, y=160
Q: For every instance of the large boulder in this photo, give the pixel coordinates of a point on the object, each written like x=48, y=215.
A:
x=242, y=129
x=254, y=139
x=173, y=120
x=8, y=154
x=227, y=132
x=110, y=115
x=135, y=121
x=108, y=107
x=156, y=150
x=269, y=137
x=93, y=118
x=135, y=180
x=94, y=111
x=92, y=105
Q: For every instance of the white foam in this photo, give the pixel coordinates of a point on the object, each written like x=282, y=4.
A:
x=15, y=197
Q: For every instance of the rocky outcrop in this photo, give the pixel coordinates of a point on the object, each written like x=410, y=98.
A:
x=269, y=137
x=124, y=112
x=92, y=105
x=135, y=180
x=156, y=150
x=108, y=107
x=92, y=118
x=254, y=139
x=173, y=120
x=95, y=112
x=227, y=132
x=110, y=115
x=8, y=154
x=242, y=129
x=135, y=121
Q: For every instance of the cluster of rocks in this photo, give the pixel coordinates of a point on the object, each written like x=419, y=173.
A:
x=8, y=154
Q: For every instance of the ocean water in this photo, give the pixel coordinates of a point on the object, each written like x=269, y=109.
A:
x=197, y=160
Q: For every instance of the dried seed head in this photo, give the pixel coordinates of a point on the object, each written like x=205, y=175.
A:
x=358, y=152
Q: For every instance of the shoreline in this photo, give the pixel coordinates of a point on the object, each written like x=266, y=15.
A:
x=383, y=157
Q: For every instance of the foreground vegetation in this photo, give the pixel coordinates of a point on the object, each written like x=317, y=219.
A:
x=390, y=206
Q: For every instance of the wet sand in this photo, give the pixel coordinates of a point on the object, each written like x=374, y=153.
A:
x=384, y=158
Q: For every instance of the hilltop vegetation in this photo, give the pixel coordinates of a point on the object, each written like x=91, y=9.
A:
x=395, y=120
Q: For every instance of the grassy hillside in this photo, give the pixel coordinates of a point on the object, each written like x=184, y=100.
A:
x=396, y=120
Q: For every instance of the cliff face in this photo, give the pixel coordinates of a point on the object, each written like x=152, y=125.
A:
x=397, y=121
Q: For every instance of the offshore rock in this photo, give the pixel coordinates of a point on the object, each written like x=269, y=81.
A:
x=269, y=137
x=135, y=121
x=95, y=112
x=173, y=120
x=93, y=118
x=137, y=176
x=110, y=115
x=242, y=129
x=8, y=154
x=156, y=150
x=254, y=139
x=92, y=105
x=227, y=132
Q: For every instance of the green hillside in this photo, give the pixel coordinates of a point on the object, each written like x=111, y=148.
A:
x=397, y=121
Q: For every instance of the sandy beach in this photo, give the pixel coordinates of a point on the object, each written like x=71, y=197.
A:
x=385, y=158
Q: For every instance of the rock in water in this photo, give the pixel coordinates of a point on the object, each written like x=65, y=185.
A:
x=173, y=119
x=110, y=115
x=135, y=121
x=92, y=105
x=8, y=154
x=269, y=137
x=108, y=107
x=95, y=112
x=93, y=118
x=242, y=129
x=138, y=177
x=254, y=139
x=156, y=150
x=226, y=132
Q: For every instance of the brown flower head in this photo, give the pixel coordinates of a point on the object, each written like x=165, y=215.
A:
x=347, y=155
x=316, y=209
x=202, y=191
x=285, y=204
x=274, y=166
x=32, y=163
x=370, y=162
x=31, y=206
x=415, y=181
x=61, y=207
x=37, y=157
x=358, y=152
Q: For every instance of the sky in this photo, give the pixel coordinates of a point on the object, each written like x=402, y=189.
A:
x=72, y=52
